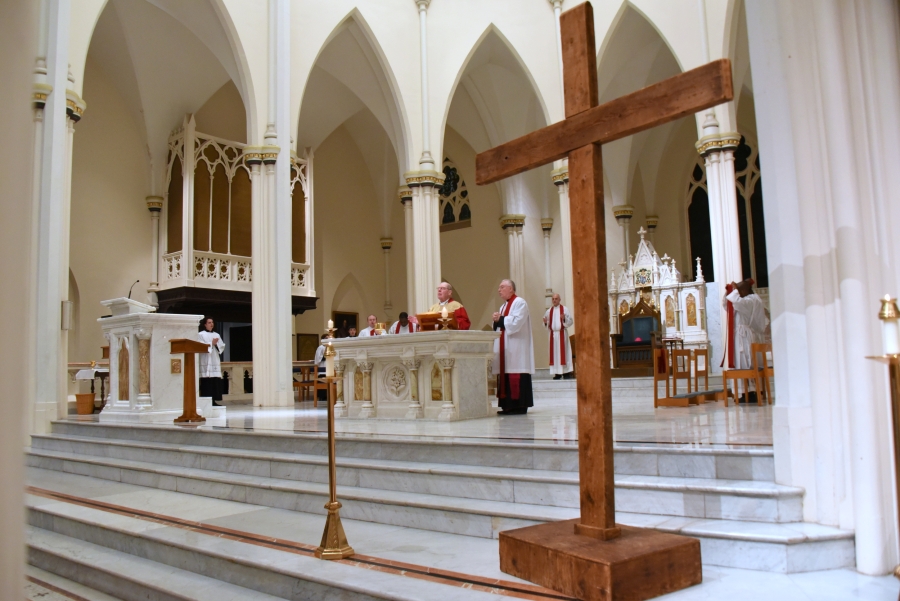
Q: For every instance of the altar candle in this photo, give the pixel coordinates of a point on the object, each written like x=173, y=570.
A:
x=890, y=329
x=329, y=366
x=444, y=312
x=330, y=324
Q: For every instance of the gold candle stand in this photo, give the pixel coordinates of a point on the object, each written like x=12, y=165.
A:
x=334, y=543
x=445, y=322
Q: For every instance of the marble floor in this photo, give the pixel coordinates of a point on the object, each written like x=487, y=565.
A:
x=548, y=422
x=475, y=559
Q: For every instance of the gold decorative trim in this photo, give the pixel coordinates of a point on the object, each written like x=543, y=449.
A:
x=623, y=211
x=724, y=141
x=546, y=224
x=424, y=178
x=559, y=176
x=512, y=221
x=75, y=105
x=652, y=221
x=154, y=203
x=404, y=194
x=387, y=243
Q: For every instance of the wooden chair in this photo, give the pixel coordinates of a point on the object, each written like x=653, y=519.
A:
x=681, y=369
x=305, y=384
x=633, y=346
x=660, y=373
x=760, y=352
x=701, y=368
x=743, y=375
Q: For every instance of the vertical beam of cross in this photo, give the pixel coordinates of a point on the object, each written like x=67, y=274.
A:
x=595, y=440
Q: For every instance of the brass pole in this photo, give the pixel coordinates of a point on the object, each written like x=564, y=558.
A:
x=894, y=369
x=334, y=543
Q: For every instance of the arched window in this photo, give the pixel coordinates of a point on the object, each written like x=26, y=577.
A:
x=455, y=212
x=750, y=213
x=698, y=220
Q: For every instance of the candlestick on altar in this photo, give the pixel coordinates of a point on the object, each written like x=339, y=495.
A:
x=334, y=542
x=444, y=320
x=890, y=334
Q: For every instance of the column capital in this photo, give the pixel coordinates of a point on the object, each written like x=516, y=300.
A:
x=40, y=93
x=512, y=221
x=75, y=106
x=555, y=3
x=547, y=224
x=623, y=213
x=255, y=155
x=560, y=176
x=426, y=177
x=404, y=193
x=422, y=4
x=715, y=142
x=652, y=222
x=154, y=204
x=387, y=243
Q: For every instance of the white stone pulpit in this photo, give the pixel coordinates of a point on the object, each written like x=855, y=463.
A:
x=433, y=375
x=145, y=381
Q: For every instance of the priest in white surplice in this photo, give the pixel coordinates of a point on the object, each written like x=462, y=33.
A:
x=513, y=352
x=557, y=320
x=747, y=322
x=210, y=361
x=370, y=330
x=403, y=325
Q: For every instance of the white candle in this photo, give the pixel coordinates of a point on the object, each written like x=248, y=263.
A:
x=444, y=312
x=330, y=324
x=329, y=367
x=890, y=330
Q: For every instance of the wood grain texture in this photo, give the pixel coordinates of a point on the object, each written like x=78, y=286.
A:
x=579, y=59
x=595, y=439
x=641, y=564
x=654, y=105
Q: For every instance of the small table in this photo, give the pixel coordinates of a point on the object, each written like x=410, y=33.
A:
x=91, y=374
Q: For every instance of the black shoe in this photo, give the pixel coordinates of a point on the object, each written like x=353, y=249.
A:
x=217, y=404
x=751, y=398
x=557, y=377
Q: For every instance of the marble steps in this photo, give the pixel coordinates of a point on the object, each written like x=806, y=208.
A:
x=127, y=577
x=784, y=548
x=678, y=496
x=640, y=460
x=128, y=559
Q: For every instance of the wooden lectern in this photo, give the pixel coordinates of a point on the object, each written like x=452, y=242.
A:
x=189, y=347
x=429, y=322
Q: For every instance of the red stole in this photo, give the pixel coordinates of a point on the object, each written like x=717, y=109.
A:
x=729, y=345
x=409, y=328
x=371, y=332
x=562, y=337
x=501, y=377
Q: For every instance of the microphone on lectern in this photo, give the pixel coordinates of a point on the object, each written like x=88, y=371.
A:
x=132, y=288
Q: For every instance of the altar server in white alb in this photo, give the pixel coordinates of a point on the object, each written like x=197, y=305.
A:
x=210, y=361
x=403, y=325
x=370, y=330
x=747, y=322
x=513, y=352
x=557, y=320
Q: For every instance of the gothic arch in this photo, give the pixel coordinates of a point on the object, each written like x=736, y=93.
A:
x=614, y=27
x=386, y=105
x=349, y=287
x=496, y=135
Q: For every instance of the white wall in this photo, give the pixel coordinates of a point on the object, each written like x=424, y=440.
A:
x=110, y=231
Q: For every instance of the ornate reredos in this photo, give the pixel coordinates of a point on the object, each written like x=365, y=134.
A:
x=646, y=270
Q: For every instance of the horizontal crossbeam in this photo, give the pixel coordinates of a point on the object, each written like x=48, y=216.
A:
x=668, y=100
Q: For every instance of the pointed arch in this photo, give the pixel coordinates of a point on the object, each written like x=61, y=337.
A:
x=348, y=287
x=392, y=114
x=615, y=26
x=496, y=136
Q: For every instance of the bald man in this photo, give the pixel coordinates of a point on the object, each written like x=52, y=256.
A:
x=513, y=352
x=445, y=299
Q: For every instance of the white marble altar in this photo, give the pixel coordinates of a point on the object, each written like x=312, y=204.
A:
x=145, y=379
x=432, y=375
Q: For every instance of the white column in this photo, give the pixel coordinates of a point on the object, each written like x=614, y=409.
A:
x=426, y=236
x=425, y=162
x=18, y=202
x=560, y=178
x=50, y=245
x=827, y=123
x=557, y=10
x=154, y=205
x=187, y=204
x=386, y=244
x=623, y=214
x=513, y=225
x=546, y=227
x=405, y=195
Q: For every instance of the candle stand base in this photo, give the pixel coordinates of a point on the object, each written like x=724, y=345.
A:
x=334, y=542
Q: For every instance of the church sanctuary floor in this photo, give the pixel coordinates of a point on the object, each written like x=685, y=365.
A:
x=128, y=540
x=549, y=421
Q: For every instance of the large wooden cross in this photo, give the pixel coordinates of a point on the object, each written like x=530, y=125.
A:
x=574, y=560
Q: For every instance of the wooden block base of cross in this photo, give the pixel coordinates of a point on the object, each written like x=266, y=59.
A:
x=592, y=557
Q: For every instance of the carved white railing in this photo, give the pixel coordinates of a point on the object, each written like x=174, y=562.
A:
x=228, y=272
